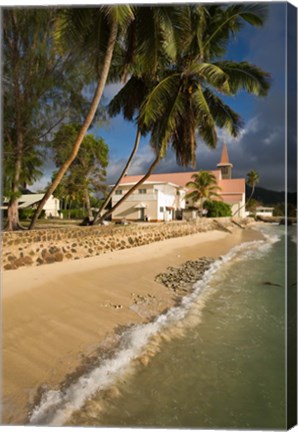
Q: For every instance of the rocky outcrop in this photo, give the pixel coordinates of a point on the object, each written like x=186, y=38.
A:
x=46, y=246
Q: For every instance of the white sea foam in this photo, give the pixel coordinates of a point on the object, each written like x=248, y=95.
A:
x=57, y=406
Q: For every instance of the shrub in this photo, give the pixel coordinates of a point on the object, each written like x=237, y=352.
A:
x=217, y=209
x=74, y=213
x=27, y=213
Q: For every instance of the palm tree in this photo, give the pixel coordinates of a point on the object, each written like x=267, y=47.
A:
x=166, y=29
x=128, y=100
x=187, y=95
x=107, y=21
x=252, y=180
x=182, y=104
x=203, y=187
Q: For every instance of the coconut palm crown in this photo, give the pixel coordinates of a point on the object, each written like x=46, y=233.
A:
x=186, y=102
x=203, y=186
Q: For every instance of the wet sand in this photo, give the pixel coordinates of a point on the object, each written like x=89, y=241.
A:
x=55, y=316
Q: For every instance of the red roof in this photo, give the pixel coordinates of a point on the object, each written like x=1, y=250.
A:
x=232, y=198
x=229, y=186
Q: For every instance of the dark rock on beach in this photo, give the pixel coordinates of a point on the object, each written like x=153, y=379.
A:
x=182, y=278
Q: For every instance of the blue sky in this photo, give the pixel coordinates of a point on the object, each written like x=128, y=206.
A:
x=261, y=143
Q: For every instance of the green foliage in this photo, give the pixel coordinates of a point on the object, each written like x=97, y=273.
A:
x=27, y=213
x=279, y=209
x=252, y=205
x=184, y=101
x=87, y=173
x=74, y=213
x=217, y=209
x=40, y=90
x=203, y=186
x=253, y=178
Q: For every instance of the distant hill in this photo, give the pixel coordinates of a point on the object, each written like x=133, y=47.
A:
x=270, y=197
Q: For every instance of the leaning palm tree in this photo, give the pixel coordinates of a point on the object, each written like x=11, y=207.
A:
x=252, y=179
x=93, y=31
x=202, y=187
x=184, y=101
x=155, y=37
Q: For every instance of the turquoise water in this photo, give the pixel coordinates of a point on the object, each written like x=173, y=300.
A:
x=216, y=361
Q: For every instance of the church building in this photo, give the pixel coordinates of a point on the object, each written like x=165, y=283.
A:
x=162, y=196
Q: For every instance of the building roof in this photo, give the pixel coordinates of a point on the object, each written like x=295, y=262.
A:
x=224, y=161
x=147, y=182
x=228, y=186
x=232, y=198
x=231, y=186
x=28, y=200
x=179, y=179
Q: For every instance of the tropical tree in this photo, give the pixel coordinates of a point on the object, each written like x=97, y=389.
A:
x=92, y=33
x=252, y=205
x=184, y=100
x=87, y=174
x=202, y=187
x=39, y=90
x=252, y=179
x=154, y=38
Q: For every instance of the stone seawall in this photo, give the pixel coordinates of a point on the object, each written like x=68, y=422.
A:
x=45, y=246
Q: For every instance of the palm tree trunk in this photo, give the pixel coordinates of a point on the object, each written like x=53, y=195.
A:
x=131, y=190
x=94, y=105
x=105, y=203
x=244, y=205
x=88, y=205
x=13, y=210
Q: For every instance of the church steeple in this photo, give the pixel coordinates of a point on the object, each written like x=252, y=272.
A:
x=224, y=165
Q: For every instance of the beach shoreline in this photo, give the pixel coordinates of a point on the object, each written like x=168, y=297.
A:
x=57, y=318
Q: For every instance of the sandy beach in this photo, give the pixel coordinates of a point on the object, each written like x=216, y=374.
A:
x=58, y=315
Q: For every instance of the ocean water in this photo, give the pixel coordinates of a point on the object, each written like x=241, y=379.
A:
x=215, y=361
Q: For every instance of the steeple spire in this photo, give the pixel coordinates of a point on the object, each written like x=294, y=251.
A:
x=224, y=165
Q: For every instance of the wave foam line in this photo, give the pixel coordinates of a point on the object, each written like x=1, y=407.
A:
x=57, y=406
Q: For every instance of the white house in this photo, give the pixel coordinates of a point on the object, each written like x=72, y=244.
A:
x=264, y=211
x=27, y=200
x=51, y=207
x=162, y=196
x=154, y=201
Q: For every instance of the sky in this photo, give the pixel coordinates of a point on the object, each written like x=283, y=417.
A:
x=261, y=143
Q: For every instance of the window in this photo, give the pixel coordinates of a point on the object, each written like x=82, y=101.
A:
x=161, y=209
x=225, y=170
x=118, y=192
x=142, y=191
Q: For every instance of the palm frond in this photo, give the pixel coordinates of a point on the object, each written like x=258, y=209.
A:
x=122, y=14
x=226, y=22
x=245, y=76
x=212, y=74
x=162, y=94
x=164, y=129
x=223, y=115
x=205, y=120
x=129, y=99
